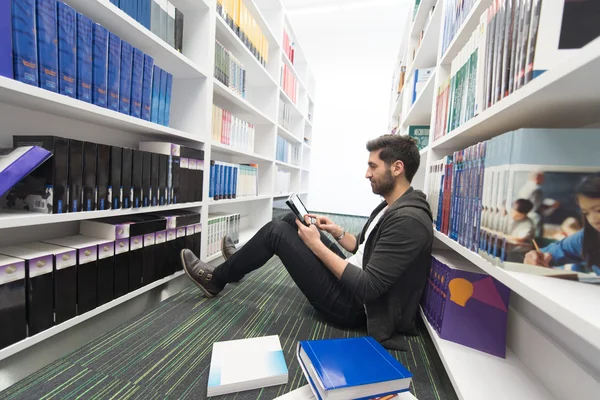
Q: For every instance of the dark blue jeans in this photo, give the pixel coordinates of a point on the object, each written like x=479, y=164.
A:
x=323, y=290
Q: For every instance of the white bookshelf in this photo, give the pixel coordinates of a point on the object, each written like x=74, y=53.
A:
x=24, y=108
x=549, y=319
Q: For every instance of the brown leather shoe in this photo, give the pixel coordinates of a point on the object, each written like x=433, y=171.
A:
x=200, y=273
x=227, y=247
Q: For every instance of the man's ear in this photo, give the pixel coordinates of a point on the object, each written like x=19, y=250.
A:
x=397, y=168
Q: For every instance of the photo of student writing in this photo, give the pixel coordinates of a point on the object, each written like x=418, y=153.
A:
x=583, y=247
x=521, y=231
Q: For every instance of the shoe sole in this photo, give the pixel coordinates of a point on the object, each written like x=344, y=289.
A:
x=206, y=292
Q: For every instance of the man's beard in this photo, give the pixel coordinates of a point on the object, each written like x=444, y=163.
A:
x=386, y=185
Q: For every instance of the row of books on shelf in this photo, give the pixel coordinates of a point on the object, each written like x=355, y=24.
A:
x=161, y=17
x=283, y=181
x=465, y=305
x=220, y=225
x=289, y=83
x=287, y=152
x=422, y=32
x=285, y=115
x=242, y=22
x=456, y=14
x=522, y=198
x=230, y=181
x=232, y=131
x=288, y=46
x=48, y=44
x=46, y=283
x=229, y=70
x=416, y=84
x=515, y=41
x=73, y=176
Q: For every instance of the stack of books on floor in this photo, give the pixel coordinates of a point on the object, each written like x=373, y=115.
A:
x=229, y=70
x=230, y=181
x=47, y=283
x=58, y=49
x=219, y=226
x=287, y=152
x=516, y=41
x=465, y=305
x=242, y=22
x=502, y=197
x=87, y=176
x=231, y=130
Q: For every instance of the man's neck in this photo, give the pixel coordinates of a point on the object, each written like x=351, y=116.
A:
x=395, y=194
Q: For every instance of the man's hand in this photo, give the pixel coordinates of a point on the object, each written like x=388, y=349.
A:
x=309, y=234
x=534, y=258
x=327, y=225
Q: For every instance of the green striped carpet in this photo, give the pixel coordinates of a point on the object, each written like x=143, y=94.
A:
x=165, y=353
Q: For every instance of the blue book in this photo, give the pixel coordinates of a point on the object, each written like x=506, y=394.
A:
x=100, y=73
x=25, y=62
x=354, y=368
x=235, y=177
x=162, y=97
x=218, y=168
x=168, y=99
x=155, y=94
x=47, y=43
x=6, y=52
x=211, y=187
x=126, y=72
x=147, y=87
x=115, y=2
x=67, y=50
x=114, y=71
x=137, y=78
x=84, y=58
x=226, y=182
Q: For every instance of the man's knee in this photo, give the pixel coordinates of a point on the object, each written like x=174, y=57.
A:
x=289, y=218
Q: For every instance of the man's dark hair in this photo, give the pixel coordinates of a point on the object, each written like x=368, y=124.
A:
x=396, y=147
x=523, y=206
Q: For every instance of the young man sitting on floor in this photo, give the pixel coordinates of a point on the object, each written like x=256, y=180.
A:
x=380, y=286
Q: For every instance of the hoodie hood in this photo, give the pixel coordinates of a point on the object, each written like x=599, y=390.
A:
x=413, y=198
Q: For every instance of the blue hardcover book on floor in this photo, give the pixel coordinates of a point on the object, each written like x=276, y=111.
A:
x=147, y=87
x=155, y=94
x=126, y=72
x=6, y=52
x=169, y=90
x=114, y=71
x=84, y=58
x=162, y=97
x=100, y=73
x=353, y=368
x=137, y=78
x=25, y=62
x=47, y=43
x=67, y=46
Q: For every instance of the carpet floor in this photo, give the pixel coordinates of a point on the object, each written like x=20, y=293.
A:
x=165, y=352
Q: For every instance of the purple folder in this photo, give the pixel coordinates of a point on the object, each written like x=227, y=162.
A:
x=17, y=163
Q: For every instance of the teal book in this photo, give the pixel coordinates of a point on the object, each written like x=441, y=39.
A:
x=67, y=50
x=47, y=44
x=25, y=61
x=137, y=78
x=155, y=94
x=84, y=58
x=100, y=62
x=126, y=71
x=162, y=97
x=168, y=99
x=147, y=87
x=114, y=71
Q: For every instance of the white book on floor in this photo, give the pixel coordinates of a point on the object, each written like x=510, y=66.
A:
x=304, y=393
x=246, y=364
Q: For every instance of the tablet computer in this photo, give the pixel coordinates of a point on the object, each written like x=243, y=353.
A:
x=298, y=208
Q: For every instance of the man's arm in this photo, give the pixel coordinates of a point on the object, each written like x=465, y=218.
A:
x=348, y=242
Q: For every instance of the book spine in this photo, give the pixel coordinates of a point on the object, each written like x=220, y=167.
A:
x=114, y=71
x=147, y=87
x=126, y=74
x=170, y=24
x=84, y=58
x=162, y=97
x=67, y=46
x=155, y=94
x=531, y=42
x=179, y=19
x=47, y=44
x=137, y=78
x=25, y=60
x=100, y=62
x=6, y=47
x=168, y=94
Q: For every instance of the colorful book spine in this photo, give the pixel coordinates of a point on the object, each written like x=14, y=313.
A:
x=67, y=50
x=126, y=75
x=168, y=95
x=25, y=60
x=100, y=62
x=162, y=100
x=137, y=78
x=84, y=58
x=114, y=71
x=6, y=48
x=147, y=88
x=155, y=94
x=47, y=44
